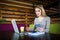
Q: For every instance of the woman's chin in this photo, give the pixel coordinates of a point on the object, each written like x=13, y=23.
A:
x=37, y=15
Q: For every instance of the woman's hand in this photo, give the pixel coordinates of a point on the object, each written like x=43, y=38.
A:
x=40, y=29
x=29, y=29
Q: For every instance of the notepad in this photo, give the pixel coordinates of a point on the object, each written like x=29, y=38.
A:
x=35, y=34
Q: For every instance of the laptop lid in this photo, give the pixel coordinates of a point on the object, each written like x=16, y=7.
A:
x=13, y=21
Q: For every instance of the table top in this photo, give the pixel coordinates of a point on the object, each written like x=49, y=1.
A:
x=15, y=36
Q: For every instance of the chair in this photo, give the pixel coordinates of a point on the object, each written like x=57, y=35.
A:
x=31, y=27
x=54, y=28
x=13, y=21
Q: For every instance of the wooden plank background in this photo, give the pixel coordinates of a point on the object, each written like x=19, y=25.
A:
x=21, y=11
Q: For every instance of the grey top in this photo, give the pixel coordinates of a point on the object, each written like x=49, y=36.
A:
x=45, y=23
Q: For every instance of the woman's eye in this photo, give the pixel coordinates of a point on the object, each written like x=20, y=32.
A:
x=38, y=11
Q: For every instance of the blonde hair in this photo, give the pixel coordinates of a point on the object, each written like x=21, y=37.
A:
x=43, y=13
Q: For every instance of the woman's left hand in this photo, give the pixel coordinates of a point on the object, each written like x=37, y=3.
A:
x=40, y=29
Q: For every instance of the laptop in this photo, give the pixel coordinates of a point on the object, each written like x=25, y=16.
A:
x=13, y=21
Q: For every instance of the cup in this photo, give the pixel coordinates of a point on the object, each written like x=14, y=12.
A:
x=22, y=29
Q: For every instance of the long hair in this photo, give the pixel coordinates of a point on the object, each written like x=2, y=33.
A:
x=43, y=13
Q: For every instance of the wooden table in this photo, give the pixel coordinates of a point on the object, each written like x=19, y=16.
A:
x=14, y=36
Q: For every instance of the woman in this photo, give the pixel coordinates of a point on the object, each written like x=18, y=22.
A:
x=42, y=21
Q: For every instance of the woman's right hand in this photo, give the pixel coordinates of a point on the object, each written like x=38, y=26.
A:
x=29, y=29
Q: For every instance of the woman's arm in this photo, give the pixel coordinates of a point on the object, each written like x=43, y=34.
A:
x=47, y=24
x=31, y=28
x=40, y=29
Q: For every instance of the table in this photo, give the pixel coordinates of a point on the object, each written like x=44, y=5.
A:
x=14, y=36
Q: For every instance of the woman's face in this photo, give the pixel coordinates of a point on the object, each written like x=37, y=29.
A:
x=38, y=12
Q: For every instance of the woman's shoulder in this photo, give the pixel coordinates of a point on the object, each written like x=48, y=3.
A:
x=47, y=17
x=35, y=18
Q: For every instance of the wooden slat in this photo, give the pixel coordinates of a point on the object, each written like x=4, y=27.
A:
x=51, y=11
x=19, y=14
x=55, y=18
x=6, y=23
x=10, y=16
x=31, y=14
x=21, y=11
x=13, y=16
x=16, y=2
x=11, y=23
x=16, y=5
x=30, y=22
x=31, y=17
x=12, y=13
x=23, y=3
x=9, y=8
x=9, y=19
